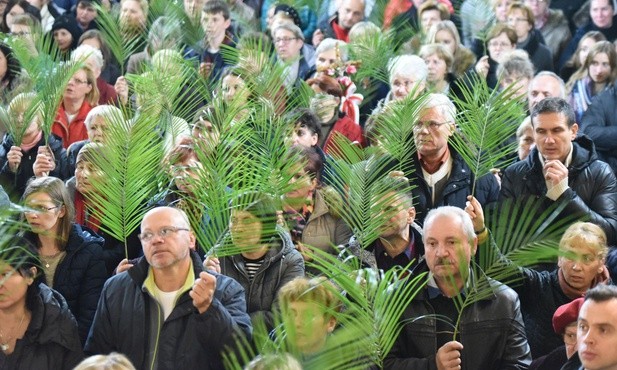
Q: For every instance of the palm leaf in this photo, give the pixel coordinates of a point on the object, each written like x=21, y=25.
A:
x=120, y=47
x=130, y=160
x=486, y=119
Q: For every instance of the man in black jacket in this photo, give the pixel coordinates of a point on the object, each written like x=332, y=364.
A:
x=564, y=168
x=166, y=312
x=487, y=334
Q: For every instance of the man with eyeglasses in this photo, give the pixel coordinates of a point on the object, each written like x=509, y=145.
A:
x=440, y=176
x=288, y=41
x=166, y=312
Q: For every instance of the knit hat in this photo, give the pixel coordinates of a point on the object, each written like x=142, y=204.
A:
x=69, y=23
x=291, y=12
x=566, y=314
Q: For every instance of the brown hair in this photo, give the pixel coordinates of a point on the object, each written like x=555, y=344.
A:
x=327, y=84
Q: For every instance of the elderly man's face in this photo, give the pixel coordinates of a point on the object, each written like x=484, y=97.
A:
x=597, y=334
x=448, y=250
x=350, y=12
x=432, y=131
x=543, y=87
x=166, y=238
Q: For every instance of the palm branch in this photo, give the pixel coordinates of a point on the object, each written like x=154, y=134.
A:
x=131, y=161
x=120, y=47
x=523, y=236
x=485, y=121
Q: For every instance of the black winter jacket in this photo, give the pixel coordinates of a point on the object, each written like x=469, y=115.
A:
x=16, y=182
x=282, y=264
x=187, y=340
x=539, y=54
x=51, y=341
x=592, y=192
x=599, y=124
x=457, y=188
x=80, y=275
x=491, y=330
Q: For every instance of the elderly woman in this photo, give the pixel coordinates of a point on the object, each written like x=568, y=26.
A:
x=20, y=161
x=565, y=322
x=71, y=256
x=524, y=138
x=408, y=74
x=583, y=249
x=261, y=256
x=80, y=95
x=93, y=58
x=82, y=190
x=439, y=63
x=329, y=52
x=110, y=71
x=521, y=19
x=445, y=33
x=97, y=124
x=39, y=331
x=597, y=74
x=516, y=72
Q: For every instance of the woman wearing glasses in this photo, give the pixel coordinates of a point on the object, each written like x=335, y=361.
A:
x=71, y=256
x=80, y=95
x=501, y=39
x=521, y=19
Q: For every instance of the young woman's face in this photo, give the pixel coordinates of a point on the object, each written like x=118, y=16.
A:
x=44, y=216
x=586, y=45
x=14, y=12
x=600, y=68
x=245, y=229
x=13, y=287
x=63, y=39
x=234, y=89
x=445, y=38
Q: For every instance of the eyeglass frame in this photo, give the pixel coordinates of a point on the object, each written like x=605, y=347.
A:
x=40, y=209
x=429, y=125
x=285, y=40
x=163, y=233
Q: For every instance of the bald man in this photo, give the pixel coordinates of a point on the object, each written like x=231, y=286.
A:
x=166, y=312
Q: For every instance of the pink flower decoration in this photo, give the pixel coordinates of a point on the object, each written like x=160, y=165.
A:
x=351, y=69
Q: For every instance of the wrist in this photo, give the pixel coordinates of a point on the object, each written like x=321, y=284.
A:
x=481, y=231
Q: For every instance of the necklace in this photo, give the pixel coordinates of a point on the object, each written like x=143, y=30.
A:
x=47, y=259
x=4, y=345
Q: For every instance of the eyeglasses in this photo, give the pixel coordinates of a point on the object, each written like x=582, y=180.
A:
x=39, y=209
x=164, y=232
x=77, y=81
x=284, y=40
x=494, y=44
x=431, y=125
x=569, y=338
x=585, y=259
x=20, y=34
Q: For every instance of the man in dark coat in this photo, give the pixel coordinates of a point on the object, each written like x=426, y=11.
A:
x=440, y=176
x=491, y=333
x=564, y=168
x=166, y=312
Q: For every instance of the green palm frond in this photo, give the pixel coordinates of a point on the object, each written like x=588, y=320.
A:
x=523, y=235
x=131, y=161
x=374, y=302
x=121, y=48
x=485, y=121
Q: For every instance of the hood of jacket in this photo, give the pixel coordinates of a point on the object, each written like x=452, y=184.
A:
x=80, y=236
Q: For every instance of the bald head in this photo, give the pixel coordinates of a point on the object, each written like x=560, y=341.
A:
x=176, y=216
x=350, y=12
x=545, y=85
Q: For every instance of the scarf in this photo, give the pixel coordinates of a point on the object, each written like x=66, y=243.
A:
x=573, y=293
x=26, y=147
x=82, y=215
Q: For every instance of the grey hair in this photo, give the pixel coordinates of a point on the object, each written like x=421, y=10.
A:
x=455, y=213
x=329, y=44
x=562, y=85
x=362, y=29
x=106, y=111
x=516, y=63
x=165, y=28
x=85, y=52
x=291, y=28
x=445, y=105
x=407, y=66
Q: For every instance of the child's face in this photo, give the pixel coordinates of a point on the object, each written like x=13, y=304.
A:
x=311, y=326
x=214, y=24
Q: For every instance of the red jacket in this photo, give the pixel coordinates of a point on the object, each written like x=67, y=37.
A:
x=346, y=127
x=76, y=131
x=107, y=93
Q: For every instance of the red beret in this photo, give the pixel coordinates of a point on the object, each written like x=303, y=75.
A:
x=566, y=314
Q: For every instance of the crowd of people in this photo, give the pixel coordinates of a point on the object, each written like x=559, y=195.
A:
x=293, y=169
